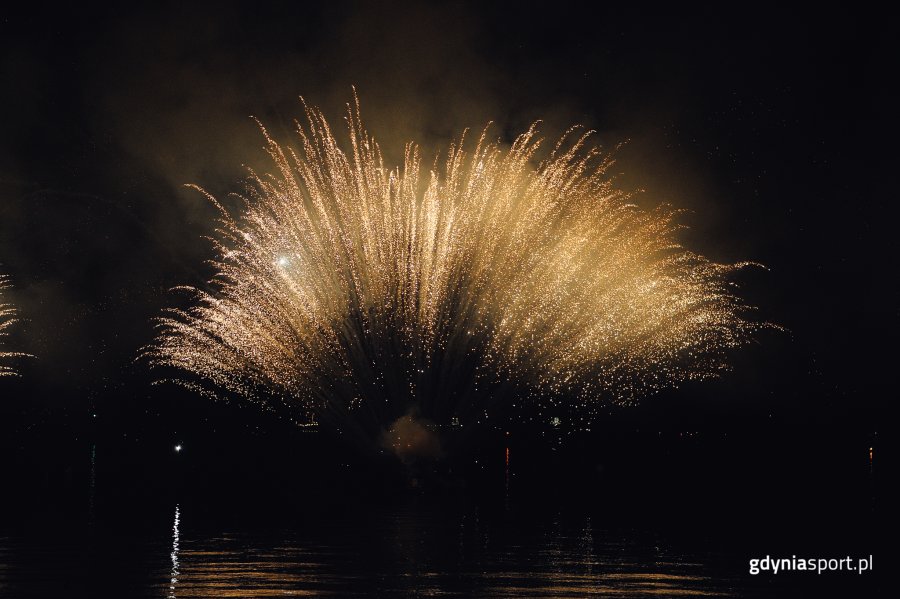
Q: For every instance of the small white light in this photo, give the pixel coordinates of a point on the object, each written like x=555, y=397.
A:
x=178, y=448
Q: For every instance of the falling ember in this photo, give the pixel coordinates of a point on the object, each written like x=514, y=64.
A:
x=354, y=292
x=7, y=319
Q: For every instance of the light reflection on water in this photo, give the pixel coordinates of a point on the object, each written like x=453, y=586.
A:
x=406, y=554
x=174, y=554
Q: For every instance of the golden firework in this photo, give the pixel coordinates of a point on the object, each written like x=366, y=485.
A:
x=348, y=287
x=7, y=319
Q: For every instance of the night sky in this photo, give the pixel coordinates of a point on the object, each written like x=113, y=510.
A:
x=767, y=125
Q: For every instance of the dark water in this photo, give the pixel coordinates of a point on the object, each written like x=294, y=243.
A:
x=647, y=532
x=409, y=550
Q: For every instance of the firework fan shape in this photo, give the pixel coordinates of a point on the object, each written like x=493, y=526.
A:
x=7, y=319
x=349, y=290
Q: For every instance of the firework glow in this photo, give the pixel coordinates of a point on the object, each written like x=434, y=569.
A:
x=7, y=319
x=502, y=277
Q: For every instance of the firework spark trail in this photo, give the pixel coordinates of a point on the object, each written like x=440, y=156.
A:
x=348, y=288
x=7, y=319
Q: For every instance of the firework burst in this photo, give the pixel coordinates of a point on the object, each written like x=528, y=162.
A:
x=7, y=319
x=351, y=290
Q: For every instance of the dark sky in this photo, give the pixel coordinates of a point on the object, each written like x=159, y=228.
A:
x=766, y=125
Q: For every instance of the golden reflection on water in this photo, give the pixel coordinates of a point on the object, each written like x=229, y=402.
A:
x=174, y=554
x=559, y=563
